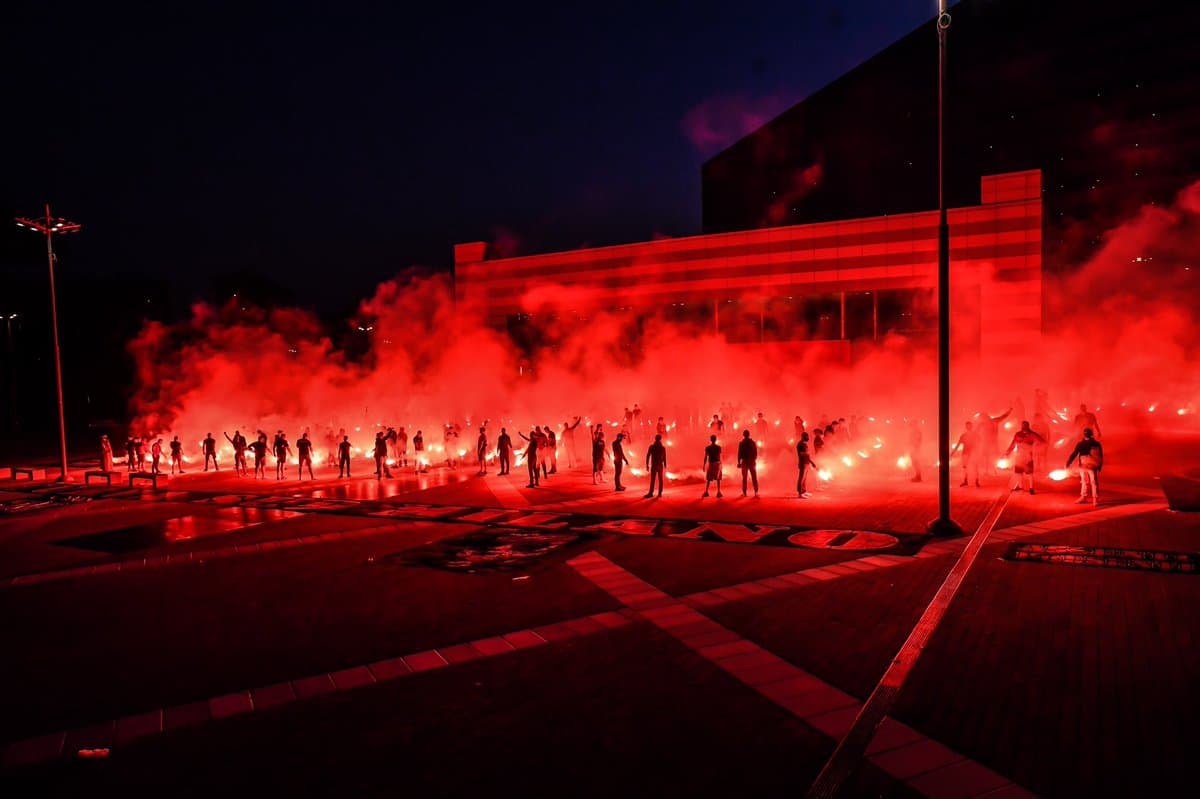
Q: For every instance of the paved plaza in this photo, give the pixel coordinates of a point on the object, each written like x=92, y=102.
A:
x=451, y=634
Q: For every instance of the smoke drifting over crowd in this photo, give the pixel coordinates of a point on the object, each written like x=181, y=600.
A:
x=1121, y=335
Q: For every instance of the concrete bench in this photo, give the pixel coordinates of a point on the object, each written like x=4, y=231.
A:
x=30, y=472
x=99, y=474
x=152, y=479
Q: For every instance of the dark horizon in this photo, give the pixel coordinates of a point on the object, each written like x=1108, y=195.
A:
x=275, y=144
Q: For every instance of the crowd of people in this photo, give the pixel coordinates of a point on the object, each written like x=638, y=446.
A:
x=978, y=447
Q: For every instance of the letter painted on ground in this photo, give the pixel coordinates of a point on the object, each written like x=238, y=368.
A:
x=735, y=533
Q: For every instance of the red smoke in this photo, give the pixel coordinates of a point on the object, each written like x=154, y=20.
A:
x=1124, y=331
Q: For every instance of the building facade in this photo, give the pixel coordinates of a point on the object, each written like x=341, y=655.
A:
x=833, y=284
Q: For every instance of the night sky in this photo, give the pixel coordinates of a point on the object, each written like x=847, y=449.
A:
x=326, y=150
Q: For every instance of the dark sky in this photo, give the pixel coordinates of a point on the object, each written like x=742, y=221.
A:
x=329, y=146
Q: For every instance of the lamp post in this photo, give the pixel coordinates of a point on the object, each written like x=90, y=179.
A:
x=943, y=524
x=49, y=226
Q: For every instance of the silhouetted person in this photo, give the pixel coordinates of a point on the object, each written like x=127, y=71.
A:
x=661, y=428
x=1023, y=442
x=1084, y=420
x=239, y=451
x=637, y=415
x=1091, y=461
x=968, y=443
x=552, y=448
x=304, y=451
x=747, y=461
x=531, y=456
x=381, y=465
x=598, y=450
x=259, y=448
x=282, y=451
x=712, y=464
x=343, y=455
x=130, y=454
x=656, y=464
x=568, y=439
x=818, y=442
x=402, y=448
x=176, y=455
x=481, y=450
x=798, y=427
x=504, y=449
x=619, y=462
x=805, y=464
x=419, y=452
x=155, y=457
x=106, y=454
x=210, y=451
x=139, y=449
x=716, y=427
x=626, y=424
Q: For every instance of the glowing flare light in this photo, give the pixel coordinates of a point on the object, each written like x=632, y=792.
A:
x=1059, y=474
x=1003, y=463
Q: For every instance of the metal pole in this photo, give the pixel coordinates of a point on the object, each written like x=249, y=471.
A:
x=943, y=524
x=62, y=425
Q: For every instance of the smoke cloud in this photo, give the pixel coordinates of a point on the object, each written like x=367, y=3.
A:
x=1125, y=338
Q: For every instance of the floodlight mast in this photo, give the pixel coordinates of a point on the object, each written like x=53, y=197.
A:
x=49, y=226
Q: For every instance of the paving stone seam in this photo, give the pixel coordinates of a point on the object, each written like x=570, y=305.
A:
x=105, y=735
x=818, y=704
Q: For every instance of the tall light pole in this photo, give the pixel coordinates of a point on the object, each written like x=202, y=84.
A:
x=49, y=226
x=943, y=524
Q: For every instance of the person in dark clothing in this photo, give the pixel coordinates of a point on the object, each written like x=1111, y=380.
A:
x=712, y=465
x=304, y=451
x=568, y=439
x=504, y=448
x=598, y=456
x=282, y=451
x=259, y=448
x=481, y=446
x=130, y=454
x=210, y=451
x=619, y=462
x=419, y=452
x=656, y=464
x=818, y=441
x=381, y=451
x=747, y=455
x=343, y=454
x=552, y=448
x=156, y=456
x=968, y=442
x=1091, y=461
x=139, y=448
x=531, y=456
x=239, y=451
x=176, y=455
x=805, y=463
